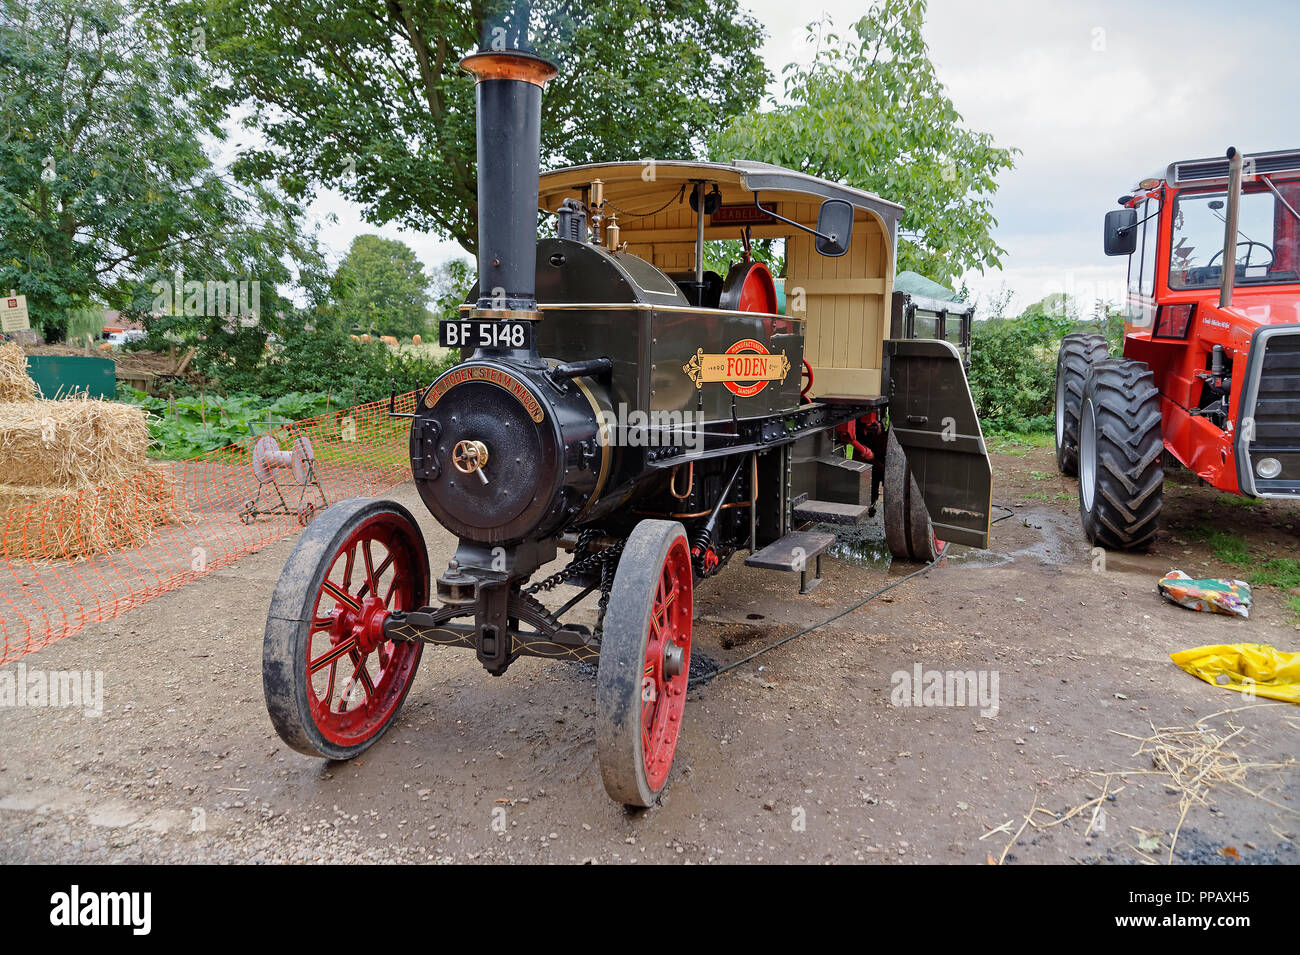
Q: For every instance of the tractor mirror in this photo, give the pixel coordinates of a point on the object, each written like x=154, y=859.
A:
x=834, y=227
x=1121, y=231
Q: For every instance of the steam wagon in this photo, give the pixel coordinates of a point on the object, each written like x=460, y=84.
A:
x=619, y=401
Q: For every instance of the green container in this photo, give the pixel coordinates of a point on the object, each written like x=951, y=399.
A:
x=60, y=376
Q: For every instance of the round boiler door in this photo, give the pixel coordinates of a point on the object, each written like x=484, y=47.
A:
x=497, y=465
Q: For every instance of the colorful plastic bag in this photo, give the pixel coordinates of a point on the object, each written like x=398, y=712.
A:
x=1216, y=595
x=1255, y=669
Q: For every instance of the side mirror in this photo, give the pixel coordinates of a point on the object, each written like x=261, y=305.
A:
x=1121, y=231
x=834, y=227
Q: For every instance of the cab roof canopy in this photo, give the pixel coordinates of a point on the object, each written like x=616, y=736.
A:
x=843, y=301
x=635, y=190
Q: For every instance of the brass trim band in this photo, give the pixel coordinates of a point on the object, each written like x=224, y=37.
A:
x=502, y=314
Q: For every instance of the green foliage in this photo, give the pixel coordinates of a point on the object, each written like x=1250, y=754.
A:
x=368, y=98
x=451, y=282
x=870, y=110
x=1013, y=361
x=721, y=254
x=1017, y=443
x=81, y=322
x=1259, y=570
x=1013, y=371
x=326, y=359
x=105, y=181
x=381, y=287
x=185, y=427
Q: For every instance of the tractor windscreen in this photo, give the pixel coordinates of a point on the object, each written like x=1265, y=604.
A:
x=1268, y=237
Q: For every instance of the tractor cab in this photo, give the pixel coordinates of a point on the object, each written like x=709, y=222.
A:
x=1210, y=372
x=1223, y=341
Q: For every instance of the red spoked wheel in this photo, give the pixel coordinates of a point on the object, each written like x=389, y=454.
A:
x=333, y=683
x=805, y=375
x=645, y=657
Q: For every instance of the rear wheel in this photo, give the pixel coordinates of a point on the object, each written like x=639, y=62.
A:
x=1078, y=353
x=1121, y=476
x=645, y=657
x=333, y=684
x=908, y=530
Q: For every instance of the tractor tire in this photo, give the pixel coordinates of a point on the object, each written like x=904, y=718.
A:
x=1078, y=353
x=1121, y=455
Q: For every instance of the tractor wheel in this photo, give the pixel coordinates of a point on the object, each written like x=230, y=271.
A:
x=645, y=658
x=332, y=682
x=1120, y=455
x=1078, y=353
x=908, y=530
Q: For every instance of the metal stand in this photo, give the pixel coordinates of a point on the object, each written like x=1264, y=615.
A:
x=303, y=509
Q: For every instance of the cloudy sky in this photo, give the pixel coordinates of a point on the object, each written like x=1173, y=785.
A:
x=1096, y=95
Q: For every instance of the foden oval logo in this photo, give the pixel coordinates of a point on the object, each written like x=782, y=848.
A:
x=744, y=369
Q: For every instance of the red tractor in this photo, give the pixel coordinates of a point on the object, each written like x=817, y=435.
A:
x=1210, y=372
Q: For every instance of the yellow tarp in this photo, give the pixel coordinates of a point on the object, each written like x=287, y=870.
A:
x=1251, y=668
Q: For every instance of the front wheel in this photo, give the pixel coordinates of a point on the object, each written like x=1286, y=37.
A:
x=1121, y=473
x=333, y=683
x=645, y=657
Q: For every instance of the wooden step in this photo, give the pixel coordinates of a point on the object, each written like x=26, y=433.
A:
x=793, y=553
x=830, y=512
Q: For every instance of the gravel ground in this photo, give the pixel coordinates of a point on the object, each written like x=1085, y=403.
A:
x=800, y=756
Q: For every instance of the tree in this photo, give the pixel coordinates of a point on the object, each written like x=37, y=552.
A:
x=870, y=111
x=106, y=186
x=381, y=286
x=368, y=98
x=451, y=283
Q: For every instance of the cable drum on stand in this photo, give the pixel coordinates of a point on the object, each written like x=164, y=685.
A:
x=267, y=455
x=300, y=460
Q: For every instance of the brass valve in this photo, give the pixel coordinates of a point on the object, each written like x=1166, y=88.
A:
x=468, y=457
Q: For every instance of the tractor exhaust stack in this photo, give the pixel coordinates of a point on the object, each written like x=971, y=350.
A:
x=1230, y=227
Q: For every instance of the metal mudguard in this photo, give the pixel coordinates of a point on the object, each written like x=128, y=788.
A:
x=932, y=414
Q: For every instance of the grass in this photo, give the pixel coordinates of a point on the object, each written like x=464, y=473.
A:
x=1019, y=443
x=1236, y=500
x=1259, y=571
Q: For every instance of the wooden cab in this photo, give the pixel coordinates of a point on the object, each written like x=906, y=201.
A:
x=841, y=301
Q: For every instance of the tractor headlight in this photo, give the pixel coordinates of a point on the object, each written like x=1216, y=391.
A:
x=1268, y=468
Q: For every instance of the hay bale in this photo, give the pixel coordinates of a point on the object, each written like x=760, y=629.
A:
x=77, y=442
x=15, y=383
x=41, y=523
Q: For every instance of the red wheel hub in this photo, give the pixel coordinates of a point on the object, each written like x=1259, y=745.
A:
x=758, y=293
x=356, y=678
x=667, y=665
x=364, y=626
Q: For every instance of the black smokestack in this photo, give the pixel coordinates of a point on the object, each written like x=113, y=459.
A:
x=509, y=86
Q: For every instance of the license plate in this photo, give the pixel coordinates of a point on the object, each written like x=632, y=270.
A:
x=471, y=333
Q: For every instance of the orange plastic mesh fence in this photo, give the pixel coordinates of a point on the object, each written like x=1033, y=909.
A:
x=68, y=559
